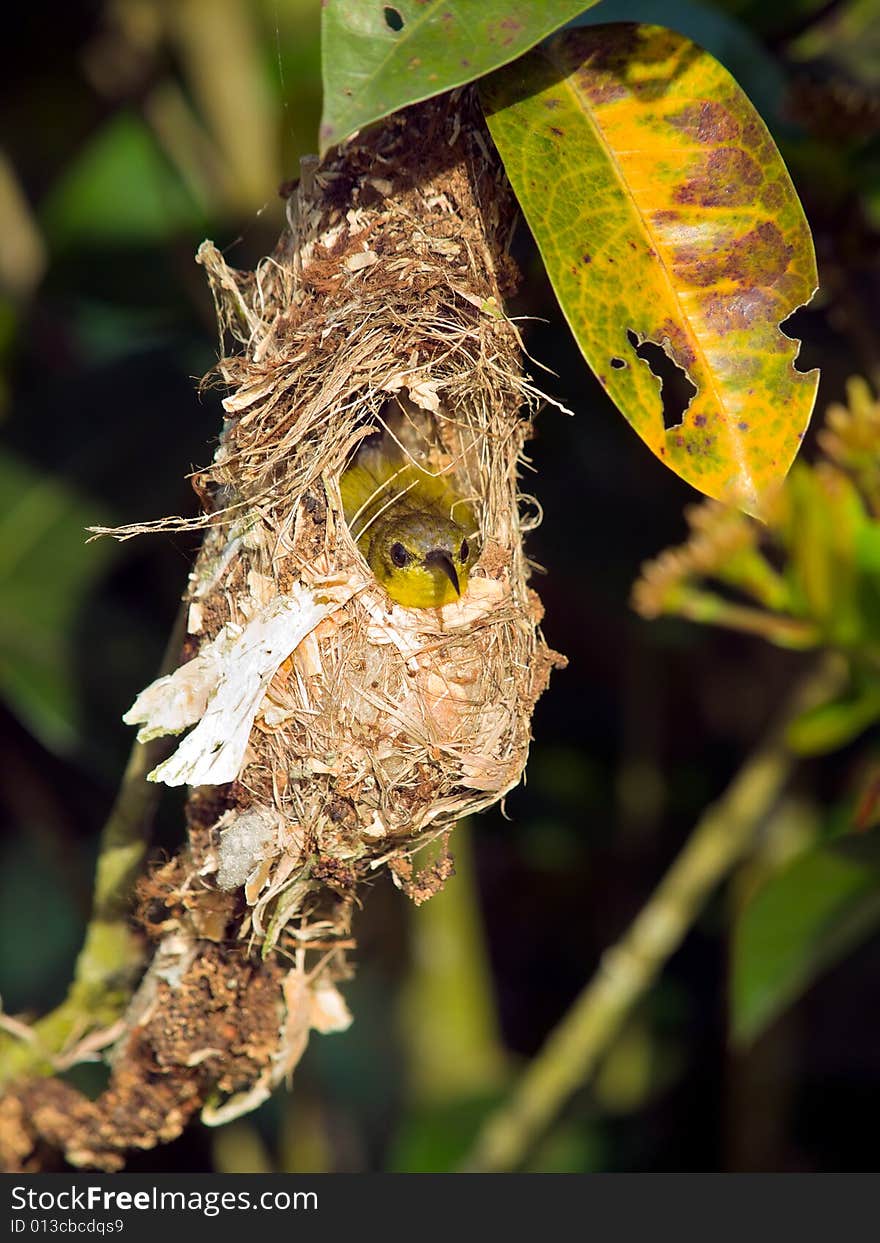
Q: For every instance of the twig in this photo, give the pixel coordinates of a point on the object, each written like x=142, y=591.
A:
x=722, y=836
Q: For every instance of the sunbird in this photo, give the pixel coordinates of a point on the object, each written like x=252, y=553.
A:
x=414, y=530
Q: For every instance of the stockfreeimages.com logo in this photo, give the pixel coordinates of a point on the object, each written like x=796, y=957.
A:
x=208, y=1203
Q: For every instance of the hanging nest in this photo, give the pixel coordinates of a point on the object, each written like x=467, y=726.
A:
x=335, y=731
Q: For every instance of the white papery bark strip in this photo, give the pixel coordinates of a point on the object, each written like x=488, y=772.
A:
x=223, y=687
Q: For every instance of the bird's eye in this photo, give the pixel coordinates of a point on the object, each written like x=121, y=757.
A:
x=399, y=555
x=464, y=552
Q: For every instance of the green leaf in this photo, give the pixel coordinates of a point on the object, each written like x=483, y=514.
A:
x=46, y=570
x=821, y=518
x=832, y=725
x=799, y=923
x=379, y=57
x=667, y=221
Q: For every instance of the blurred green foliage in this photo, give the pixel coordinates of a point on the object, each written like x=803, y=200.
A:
x=45, y=574
x=805, y=917
x=138, y=127
x=809, y=578
x=85, y=206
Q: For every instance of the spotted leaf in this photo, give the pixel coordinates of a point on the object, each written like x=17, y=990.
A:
x=379, y=57
x=671, y=231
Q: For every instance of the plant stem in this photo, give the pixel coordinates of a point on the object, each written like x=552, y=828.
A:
x=111, y=958
x=708, y=608
x=723, y=835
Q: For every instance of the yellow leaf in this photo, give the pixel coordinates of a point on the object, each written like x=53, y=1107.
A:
x=665, y=215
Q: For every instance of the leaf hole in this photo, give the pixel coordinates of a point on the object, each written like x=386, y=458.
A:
x=618, y=364
x=805, y=326
x=393, y=19
x=677, y=390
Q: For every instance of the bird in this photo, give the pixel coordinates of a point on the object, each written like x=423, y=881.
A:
x=415, y=531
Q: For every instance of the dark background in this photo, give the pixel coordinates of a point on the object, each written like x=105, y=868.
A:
x=132, y=129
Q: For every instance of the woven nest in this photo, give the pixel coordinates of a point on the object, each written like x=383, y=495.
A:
x=355, y=730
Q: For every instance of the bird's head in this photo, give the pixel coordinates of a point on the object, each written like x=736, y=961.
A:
x=421, y=559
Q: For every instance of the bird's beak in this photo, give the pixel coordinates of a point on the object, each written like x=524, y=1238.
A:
x=440, y=557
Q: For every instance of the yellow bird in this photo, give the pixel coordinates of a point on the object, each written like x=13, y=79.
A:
x=414, y=530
